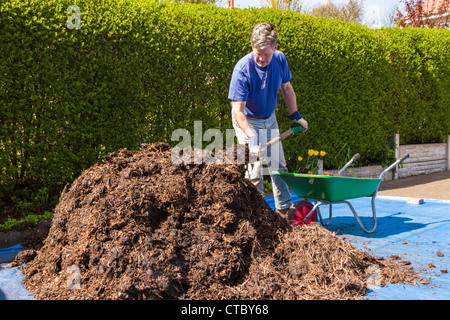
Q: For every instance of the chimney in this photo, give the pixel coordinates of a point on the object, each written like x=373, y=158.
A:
x=230, y=4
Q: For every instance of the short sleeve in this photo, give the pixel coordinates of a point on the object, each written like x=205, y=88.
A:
x=239, y=86
x=286, y=73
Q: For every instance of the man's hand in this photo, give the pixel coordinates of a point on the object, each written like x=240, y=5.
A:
x=254, y=162
x=297, y=118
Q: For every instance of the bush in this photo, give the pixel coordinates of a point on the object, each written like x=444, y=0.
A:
x=68, y=96
x=135, y=71
x=420, y=95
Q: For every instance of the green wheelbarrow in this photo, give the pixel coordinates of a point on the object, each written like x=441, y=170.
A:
x=322, y=189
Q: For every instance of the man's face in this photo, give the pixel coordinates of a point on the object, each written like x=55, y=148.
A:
x=264, y=56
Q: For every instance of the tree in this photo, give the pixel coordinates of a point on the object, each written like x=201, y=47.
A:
x=423, y=14
x=294, y=5
x=351, y=12
x=200, y=1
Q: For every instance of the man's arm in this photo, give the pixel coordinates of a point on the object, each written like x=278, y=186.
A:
x=291, y=103
x=238, y=114
x=289, y=97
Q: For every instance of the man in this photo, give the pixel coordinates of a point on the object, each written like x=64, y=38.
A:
x=254, y=86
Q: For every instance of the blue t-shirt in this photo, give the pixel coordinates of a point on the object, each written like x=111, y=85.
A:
x=259, y=86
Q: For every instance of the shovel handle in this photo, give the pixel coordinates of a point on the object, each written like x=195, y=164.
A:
x=279, y=138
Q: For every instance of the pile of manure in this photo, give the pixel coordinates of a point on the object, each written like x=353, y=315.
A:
x=139, y=226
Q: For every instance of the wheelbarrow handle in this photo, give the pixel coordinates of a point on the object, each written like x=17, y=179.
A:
x=393, y=165
x=353, y=159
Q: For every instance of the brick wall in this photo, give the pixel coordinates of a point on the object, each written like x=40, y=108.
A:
x=423, y=159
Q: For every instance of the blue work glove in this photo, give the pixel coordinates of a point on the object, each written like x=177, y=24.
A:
x=297, y=119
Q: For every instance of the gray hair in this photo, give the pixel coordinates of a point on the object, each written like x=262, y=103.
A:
x=264, y=34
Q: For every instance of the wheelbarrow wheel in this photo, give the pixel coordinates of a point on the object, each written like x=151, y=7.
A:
x=299, y=211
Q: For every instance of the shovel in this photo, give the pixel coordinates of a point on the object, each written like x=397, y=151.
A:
x=293, y=128
x=255, y=167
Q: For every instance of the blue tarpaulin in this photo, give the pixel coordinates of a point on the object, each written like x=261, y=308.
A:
x=418, y=233
x=8, y=254
x=11, y=287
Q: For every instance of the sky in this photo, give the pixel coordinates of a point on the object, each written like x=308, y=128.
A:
x=376, y=12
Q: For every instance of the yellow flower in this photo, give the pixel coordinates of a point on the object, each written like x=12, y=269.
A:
x=300, y=158
x=310, y=152
x=322, y=153
x=316, y=152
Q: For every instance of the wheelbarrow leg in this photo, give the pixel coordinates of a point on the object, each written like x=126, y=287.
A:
x=374, y=216
x=320, y=214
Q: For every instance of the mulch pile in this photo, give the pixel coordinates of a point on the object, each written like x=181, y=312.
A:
x=139, y=226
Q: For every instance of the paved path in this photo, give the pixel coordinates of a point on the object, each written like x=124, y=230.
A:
x=429, y=186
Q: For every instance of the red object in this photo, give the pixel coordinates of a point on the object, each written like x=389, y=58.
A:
x=301, y=212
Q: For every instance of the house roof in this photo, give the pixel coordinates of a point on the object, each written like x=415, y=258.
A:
x=433, y=6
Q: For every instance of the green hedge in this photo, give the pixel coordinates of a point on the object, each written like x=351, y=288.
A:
x=136, y=70
x=420, y=94
x=67, y=96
